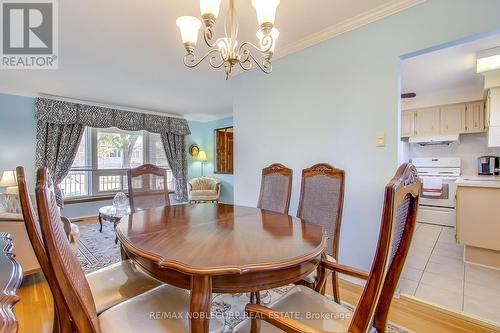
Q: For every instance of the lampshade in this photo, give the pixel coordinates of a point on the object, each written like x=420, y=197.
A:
x=488, y=60
x=210, y=7
x=274, y=34
x=189, y=27
x=8, y=179
x=201, y=156
x=266, y=10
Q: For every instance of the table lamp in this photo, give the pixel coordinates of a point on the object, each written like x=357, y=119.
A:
x=9, y=181
x=202, y=157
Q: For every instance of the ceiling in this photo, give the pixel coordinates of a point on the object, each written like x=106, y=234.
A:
x=450, y=71
x=129, y=53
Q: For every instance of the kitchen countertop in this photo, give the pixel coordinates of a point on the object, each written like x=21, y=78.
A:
x=479, y=181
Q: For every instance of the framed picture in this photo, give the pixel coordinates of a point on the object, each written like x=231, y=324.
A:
x=194, y=150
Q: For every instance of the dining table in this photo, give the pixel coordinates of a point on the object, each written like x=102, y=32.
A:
x=220, y=248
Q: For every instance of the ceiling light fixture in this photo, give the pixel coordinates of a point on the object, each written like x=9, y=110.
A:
x=488, y=60
x=225, y=51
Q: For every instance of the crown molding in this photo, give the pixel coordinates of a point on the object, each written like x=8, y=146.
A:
x=353, y=23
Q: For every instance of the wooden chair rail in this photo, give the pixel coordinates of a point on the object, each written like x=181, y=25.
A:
x=11, y=276
x=345, y=269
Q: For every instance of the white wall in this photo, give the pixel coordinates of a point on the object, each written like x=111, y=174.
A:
x=442, y=98
x=328, y=102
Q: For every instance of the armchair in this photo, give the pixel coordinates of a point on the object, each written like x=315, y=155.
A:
x=203, y=189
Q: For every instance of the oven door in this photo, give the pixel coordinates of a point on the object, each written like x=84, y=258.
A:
x=446, y=199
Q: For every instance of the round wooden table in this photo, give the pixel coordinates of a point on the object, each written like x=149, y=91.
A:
x=220, y=248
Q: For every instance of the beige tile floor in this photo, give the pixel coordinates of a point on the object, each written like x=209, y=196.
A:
x=435, y=272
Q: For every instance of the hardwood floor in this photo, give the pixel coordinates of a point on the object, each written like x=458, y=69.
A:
x=35, y=309
x=35, y=313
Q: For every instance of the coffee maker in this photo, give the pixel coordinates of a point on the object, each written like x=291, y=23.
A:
x=488, y=165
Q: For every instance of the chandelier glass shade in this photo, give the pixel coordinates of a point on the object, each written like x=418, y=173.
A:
x=226, y=51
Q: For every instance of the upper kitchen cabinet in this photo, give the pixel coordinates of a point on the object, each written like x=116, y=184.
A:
x=461, y=118
x=453, y=119
x=474, y=117
x=493, y=114
x=427, y=122
x=407, y=124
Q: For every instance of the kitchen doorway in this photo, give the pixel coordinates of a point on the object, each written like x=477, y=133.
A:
x=445, y=126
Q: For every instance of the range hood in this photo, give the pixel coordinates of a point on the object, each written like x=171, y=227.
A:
x=435, y=140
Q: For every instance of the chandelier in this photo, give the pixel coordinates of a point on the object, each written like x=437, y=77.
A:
x=225, y=51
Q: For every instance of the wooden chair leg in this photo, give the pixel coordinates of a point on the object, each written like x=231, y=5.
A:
x=335, y=287
x=255, y=297
x=123, y=254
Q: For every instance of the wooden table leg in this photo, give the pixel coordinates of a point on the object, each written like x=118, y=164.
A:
x=100, y=222
x=114, y=228
x=201, y=300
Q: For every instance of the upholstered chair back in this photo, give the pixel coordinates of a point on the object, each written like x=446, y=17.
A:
x=203, y=184
x=147, y=187
x=275, y=188
x=396, y=231
x=321, y=201
x=68, y=272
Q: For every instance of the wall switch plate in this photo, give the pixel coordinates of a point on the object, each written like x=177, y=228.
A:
x=380, y=140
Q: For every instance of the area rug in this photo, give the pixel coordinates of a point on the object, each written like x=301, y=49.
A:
x=97, y=250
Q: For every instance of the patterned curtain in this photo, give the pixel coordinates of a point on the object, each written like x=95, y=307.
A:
x=56, y=148
x=177, y=159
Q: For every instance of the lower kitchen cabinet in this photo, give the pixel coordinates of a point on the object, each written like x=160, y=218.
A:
x=478, y=223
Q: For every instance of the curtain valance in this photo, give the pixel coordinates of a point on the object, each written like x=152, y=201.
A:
x=67, y=113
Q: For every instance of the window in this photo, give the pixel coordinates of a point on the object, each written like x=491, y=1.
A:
x=105, y=155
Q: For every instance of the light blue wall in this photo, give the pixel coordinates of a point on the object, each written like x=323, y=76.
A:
x=328, y=102
x=18, y=140
x=203, y=135
x=17, y=134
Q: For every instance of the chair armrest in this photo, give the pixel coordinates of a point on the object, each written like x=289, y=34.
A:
x=190, y=187
x=280, y=320
x=345, y=269
x=217, y=187
x=67, y=225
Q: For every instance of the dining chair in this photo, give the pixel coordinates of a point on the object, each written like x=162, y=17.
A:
x=147, y=187
x=321, y=202
x=109, y=286
x=290, y=312
x=275, y=188
x=134, y=315
x=61, y=322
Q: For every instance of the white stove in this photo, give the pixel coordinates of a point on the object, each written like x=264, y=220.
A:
x=437, y=197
